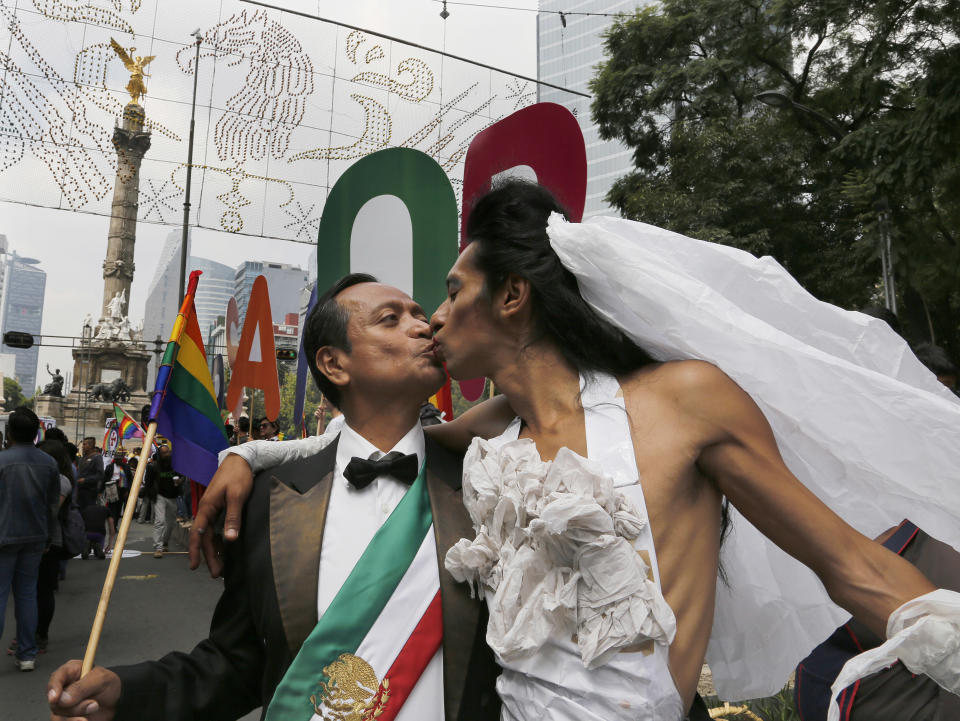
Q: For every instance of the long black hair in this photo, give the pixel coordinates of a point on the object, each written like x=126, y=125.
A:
x=508, y=227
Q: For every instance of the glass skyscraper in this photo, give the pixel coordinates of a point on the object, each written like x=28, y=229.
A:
x=567, y=56
x=162, y=306
x=284, y=283
x=24, y=286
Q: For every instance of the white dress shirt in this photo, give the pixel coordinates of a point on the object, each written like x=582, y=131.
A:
x=354, y=515
x=353, y=518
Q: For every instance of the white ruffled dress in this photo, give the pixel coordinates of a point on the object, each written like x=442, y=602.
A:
x=564, y=557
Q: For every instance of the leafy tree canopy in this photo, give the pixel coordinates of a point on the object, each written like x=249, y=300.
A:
x=13, y=395
x=865, y=128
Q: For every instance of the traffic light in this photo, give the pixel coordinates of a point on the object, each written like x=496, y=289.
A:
x=17, y=339
x=286, y=354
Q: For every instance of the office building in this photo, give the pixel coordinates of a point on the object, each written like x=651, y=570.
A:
x=567, y=56
x=284, y=283
x=24, y=286
x=163, y=301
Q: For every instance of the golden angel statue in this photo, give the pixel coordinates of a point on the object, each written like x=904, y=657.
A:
x=135, y=87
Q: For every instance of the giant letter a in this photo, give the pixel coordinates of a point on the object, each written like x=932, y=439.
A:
x=256, y=366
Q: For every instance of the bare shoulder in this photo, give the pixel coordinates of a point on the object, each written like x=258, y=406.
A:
x=698, y=393
x=682, y=379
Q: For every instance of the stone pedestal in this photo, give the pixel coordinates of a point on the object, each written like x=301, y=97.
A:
x=101, y=362
x=79, y=417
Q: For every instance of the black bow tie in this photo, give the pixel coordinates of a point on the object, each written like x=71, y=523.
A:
x=362, y=472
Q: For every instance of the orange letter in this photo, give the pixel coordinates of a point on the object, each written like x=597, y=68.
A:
x=260, y=373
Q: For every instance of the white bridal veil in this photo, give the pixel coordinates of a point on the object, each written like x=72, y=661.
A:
x=857, y=417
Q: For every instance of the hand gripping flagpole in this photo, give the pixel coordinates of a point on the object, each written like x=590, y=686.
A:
x=111, y=578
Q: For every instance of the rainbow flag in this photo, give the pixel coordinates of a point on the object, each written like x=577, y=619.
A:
x=184, y=402
x=303, y=426
x=128, y=427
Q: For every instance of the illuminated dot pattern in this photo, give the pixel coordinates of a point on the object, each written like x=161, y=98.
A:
x=64, y=116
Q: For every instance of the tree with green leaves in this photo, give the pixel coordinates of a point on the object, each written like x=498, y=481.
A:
x=13, y=395
x=856, y=133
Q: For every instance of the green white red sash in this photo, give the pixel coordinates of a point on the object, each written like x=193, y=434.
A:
x=369, y=649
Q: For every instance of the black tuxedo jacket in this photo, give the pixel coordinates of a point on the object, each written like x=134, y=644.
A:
x=269, y=605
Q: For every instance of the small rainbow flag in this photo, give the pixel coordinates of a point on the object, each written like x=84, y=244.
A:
x=128, y=427
x=303, y=426
x=184, y=402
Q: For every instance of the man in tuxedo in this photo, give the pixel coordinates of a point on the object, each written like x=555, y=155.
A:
x=309, y=529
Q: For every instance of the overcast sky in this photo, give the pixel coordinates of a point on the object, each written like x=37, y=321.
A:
x=71, y=246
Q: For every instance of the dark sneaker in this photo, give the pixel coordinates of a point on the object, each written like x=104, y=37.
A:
x=12, y=648
x=42, y=644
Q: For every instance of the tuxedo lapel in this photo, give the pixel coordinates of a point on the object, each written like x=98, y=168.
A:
x=299, y=496
x=460, y=612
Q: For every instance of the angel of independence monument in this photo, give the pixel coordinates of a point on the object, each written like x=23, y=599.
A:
x=111, y=361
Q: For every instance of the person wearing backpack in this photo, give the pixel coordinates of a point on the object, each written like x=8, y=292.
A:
x=60, y=544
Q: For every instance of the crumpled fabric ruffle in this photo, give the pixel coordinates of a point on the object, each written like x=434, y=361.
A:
x=553, y=555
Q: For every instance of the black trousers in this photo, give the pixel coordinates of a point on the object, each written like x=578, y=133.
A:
x=698, y=711
x=47, y=583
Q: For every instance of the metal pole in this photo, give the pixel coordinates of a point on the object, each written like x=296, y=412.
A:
x=886, y=254
x=76, y=426
x=186, y=200
x=85, y=377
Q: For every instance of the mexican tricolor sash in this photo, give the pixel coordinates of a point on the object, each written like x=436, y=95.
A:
x=366, y=654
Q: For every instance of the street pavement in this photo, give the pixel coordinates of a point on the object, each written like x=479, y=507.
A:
x=158, y=605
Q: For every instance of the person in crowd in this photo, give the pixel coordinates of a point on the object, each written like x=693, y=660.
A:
x=285, y=586
x=936, y=359
x=74, y=454
x=184, y=503
x=255, y=428
x=101, y=531
x=116, y=483
x=169, y=487
x=269, y=430
x=243, y=430
x=324, y=409
x=89, y=473
x=430, y=415
x=57, y=434
x=148, y=493
x=49, y=572
x=29, y=501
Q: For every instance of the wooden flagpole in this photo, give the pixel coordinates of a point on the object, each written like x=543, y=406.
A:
x=121, y=540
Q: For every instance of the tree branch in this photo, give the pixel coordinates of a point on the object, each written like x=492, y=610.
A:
x=779, y=68
x=809, y=61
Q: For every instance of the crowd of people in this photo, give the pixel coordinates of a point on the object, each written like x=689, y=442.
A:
x=59, y=502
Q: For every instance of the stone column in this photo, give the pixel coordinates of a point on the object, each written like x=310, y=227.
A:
x=131, y=142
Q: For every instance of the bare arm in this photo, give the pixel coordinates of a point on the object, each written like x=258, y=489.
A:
x=740, y=455
x=486, y=420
